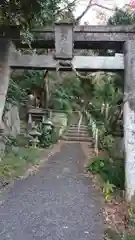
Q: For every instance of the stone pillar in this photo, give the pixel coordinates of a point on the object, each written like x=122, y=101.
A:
x=5, y=49
x=63, y=41
x=129, y=119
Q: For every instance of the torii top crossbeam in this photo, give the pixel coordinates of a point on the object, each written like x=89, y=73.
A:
x=64, y=37
x=84, y=37
x=89, y=37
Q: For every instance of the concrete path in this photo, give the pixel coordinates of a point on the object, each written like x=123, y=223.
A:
x=58, y=203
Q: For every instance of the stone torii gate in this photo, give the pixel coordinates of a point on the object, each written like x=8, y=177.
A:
x=64, y=38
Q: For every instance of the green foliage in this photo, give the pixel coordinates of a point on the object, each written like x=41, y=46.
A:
x=110, y=170
x=27, y=13
x=108, y=190
x=103, y=166
x=130, y=237
x=107, y=142
x=34, y=14
x=122, y=16
x=97, y=163
x=109, y=89
x=10, y=142
x=111, y=167
x=13, y=164
x=46, y=135
x=66, y=95
x=16, y=94
x=111, y=234
x=21, y=84
x=63, y=96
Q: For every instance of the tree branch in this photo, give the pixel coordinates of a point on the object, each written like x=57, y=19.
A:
x=101, y=6
x=90, y=4
x=66, y=7
x=84, y=12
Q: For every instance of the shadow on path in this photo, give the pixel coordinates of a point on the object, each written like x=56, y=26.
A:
x=58, y=203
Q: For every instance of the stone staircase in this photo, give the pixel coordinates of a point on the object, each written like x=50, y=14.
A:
x=73, y=134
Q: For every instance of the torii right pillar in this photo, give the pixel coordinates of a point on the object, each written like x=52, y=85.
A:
x=129, y=119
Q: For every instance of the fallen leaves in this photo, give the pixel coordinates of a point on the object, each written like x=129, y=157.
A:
x=116, y=214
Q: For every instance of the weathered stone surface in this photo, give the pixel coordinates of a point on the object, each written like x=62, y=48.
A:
x=10, y=125
x=11, y=121
x=82, y=63
x=129, y=118
x=4, y=72
x=63, y=41
x=87, y=37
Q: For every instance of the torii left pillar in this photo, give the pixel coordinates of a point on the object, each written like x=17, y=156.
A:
x=5, y=51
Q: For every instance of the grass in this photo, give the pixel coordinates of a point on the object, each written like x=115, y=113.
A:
x=131, y=237
x=112, y=235
x=14, y=164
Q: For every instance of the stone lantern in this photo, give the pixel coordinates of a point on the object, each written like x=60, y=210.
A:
x=46, y=132
x=34, y=134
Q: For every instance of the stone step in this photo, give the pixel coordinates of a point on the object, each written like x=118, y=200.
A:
x=76, y=131
x=79, y=139
x=77, y=135
x=81, y=126
x=76, y=128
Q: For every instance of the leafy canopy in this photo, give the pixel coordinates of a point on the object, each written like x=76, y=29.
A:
x=26, y=13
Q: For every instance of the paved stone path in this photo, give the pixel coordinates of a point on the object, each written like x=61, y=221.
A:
x=58, y=203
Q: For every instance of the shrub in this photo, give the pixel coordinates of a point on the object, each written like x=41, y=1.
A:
x=46, y=135
x=110, y=170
